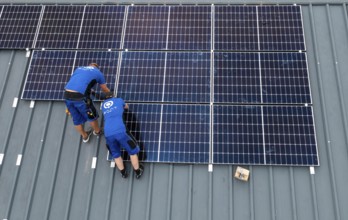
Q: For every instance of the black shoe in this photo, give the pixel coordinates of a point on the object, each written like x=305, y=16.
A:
x=139, y=172
x=124, y=173
x=88, y=135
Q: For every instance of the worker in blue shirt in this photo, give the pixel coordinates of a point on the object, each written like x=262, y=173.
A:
x=78, y=101
x=117, y=135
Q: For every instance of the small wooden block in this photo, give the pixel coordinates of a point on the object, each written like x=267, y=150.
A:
x=242, y=174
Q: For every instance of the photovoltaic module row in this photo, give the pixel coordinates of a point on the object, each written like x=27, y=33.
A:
x=117, y=27
x=178, y=77
x=257, y=135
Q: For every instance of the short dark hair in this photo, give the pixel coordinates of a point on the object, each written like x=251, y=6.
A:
x=94, y=64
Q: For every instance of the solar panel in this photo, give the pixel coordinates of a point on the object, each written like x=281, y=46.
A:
x=60, y=27
x=285, y=78
x=102, y=27
x=107, y=61
x=290, y=135
x=236, y=78
x=235, y=28
x=280, y=28
x=237, y=135
x=141, y=76
x=190, y=28
x=146, y=28
x=18, y=25
x=281, y=135
x=187, y=77
x=185, y=134
x=48, y=73
x=165, y=77
x=143, y=121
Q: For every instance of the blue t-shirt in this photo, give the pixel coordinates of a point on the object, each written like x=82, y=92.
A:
x=84, y=78
x=113, y=110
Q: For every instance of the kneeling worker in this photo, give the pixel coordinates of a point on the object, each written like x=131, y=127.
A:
x=117, y=136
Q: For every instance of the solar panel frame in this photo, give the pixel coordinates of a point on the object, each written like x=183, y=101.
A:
x=290, y=136
x=285, y=78
x=281, y=28
x=141, y=76
x=60, y=27
x=41, y=81
x=185, y=134
x=102, y=27
x=190, y=28
x=187, y=77
x=237, y=78
x=147, y=31
x=235, y=28
x=18, y=25
x=237, y=135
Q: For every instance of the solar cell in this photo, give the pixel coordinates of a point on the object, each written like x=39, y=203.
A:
x=187, y=77
x=290, y=135
x=185, y=134
x=47, y=75
x=285, y=78
x=102, y=27
x=236, y=78
x=190, y=28
x=280, y=28
x=146, y=28
x=60, y=27
x=237, y=135
x=18, y=25
x=235, y=28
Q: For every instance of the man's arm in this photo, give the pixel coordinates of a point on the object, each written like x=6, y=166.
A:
x=104, y=88
x=126, y=106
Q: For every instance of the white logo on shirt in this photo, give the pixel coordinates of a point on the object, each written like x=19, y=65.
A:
x=108, y=104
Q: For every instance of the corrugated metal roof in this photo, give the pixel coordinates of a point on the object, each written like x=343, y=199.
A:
x=55, y=181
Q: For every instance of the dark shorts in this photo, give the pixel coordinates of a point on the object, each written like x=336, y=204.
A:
x=81, y=112
x=116, y=141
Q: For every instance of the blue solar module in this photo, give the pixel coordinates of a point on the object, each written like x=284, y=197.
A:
x=185, y=134
x=237, y=135
x=143, y=121
x=60, y=27
x=280, y=28
x=146, y=28
x=102, y=27
x=187, y=77
x=235, y=28
x=237, y=78
x=290, y=136
x=18, y=25
x=107, y=61
x=190, y=28
x=285, y=78
x=269, y=135
x=141, y=76
x=48, y=73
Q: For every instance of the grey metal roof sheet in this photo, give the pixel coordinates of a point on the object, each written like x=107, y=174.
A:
x=55, y=179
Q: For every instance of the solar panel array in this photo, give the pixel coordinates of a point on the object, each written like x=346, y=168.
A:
x=225, y=28
x=205, y=84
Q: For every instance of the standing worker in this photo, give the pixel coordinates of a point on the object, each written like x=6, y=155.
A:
x=117, y=136
x=78, y=101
